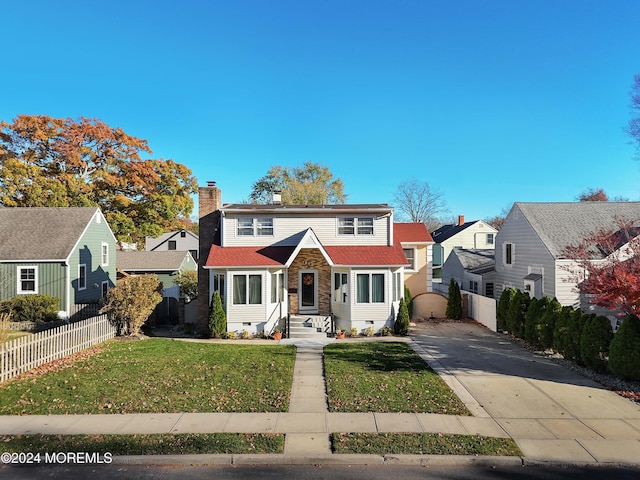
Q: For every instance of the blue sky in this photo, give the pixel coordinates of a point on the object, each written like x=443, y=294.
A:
x=488, y=101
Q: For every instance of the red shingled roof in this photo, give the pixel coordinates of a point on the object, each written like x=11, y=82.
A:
x=411, y=232
x=367, y=255
x=278, y=256
x=248, y=256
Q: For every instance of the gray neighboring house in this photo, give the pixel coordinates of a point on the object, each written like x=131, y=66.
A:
x=65, y=252
x=165, y=265
x=178, y=240
x=530, y=244
x=472, y=269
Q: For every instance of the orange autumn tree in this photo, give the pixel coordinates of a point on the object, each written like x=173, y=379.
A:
x=62, y=162
x=607, y=267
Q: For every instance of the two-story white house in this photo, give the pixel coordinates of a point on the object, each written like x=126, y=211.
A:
x=473, y=235
x=268, y=261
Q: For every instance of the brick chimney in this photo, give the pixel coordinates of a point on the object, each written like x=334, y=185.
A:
x=460, y=220
x=209, y=201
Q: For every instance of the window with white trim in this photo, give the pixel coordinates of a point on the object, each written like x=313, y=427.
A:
x=247, y=289
x=508, y=253
x=105, y=288
x=489, y=238
x=355, y=226
x=277, y=287
x=105, y=254
x=252, y=227
x=28, y=279
x=370, y=287
x=473, y=286
x=340, y=287
x=397, y=286
x=82, y=276
x=410, y=253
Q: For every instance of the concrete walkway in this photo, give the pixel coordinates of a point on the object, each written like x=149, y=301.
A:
x=553, y=414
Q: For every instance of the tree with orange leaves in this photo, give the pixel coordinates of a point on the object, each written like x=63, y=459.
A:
x=58, y=162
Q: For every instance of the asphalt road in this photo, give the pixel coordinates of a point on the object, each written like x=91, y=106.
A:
x=290, y=472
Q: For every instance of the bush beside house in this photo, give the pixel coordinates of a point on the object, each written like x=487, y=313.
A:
x=454, y=301
x=37, y=308
x=585, y=339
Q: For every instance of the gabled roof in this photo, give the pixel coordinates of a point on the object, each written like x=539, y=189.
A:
x=475, y=260
x=152, y=261
x=445, y=232
x=411, y=233
x=42, y=233
x=165, y=237
x=562, y=224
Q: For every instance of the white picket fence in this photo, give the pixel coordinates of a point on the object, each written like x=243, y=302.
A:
x=24, y=353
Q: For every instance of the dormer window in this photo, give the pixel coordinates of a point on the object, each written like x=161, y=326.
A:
x=355, y=226
x=251, y=227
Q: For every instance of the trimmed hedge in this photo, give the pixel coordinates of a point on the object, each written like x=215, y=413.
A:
x=595, y=342
x=454, y=301
x=36, y=308
x=516, y=313
x=624, y=354
x=503, y=307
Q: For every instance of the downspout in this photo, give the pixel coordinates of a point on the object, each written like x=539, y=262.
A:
x=68, y=289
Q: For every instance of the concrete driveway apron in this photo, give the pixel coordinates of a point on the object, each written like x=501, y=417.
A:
x=553, y=413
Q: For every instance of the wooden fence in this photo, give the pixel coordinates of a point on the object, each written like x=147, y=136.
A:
x=24, y=353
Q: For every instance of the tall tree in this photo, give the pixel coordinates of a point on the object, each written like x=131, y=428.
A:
x=310, y=184
x=57, y=162
x=607, y=267
x=418, y=202
x=633, y=129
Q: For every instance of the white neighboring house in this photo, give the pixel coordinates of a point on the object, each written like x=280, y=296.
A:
x=268, y=261
x=474, y=235
x=472, y=269
x=178, y=240
x=530, y=245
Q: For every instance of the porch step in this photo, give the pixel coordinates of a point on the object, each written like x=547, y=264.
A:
x=307, y=326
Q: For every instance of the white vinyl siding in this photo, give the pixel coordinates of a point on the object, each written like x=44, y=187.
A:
x=254, y=227
x=287, y=229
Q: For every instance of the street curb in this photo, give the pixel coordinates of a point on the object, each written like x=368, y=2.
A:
x=335, y=459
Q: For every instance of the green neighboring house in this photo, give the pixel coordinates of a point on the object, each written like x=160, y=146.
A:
x=164, y=264
x=66, y=252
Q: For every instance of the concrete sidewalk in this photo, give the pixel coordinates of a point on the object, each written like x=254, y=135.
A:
x=554, y=415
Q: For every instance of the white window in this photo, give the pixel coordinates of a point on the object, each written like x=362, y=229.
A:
x=105, y=254
x=277, y=287
x=251, y=227
x=247, y=289
x=340, y=288
x=264, y=227
x=370, y=287
x=509, y=250
x=410, y=253
x=473, y=286
x=28, y=279
x=105, y=289
x=355, y=226
x=82, y=276
x=398, y=292
x=489, y=238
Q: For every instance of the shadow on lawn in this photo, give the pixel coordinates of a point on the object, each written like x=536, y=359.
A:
x=385, y=357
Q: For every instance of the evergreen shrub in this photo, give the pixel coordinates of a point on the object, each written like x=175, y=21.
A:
x=624, y=353
x=595, y=342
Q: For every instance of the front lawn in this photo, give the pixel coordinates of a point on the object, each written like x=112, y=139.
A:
x=422, y=444
x=157, y=444
x=385, y=377
x=160, y=376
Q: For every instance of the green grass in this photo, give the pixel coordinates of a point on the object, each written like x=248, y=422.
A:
x=160, y=376
x=385, y=377
x=422, y=444
x=158, y=444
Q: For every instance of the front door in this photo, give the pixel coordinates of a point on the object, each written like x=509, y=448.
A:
x=308, y=288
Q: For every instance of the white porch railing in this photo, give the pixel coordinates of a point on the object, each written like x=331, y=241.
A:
x=25, y=353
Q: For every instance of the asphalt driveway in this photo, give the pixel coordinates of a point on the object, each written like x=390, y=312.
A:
x=553, y=413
